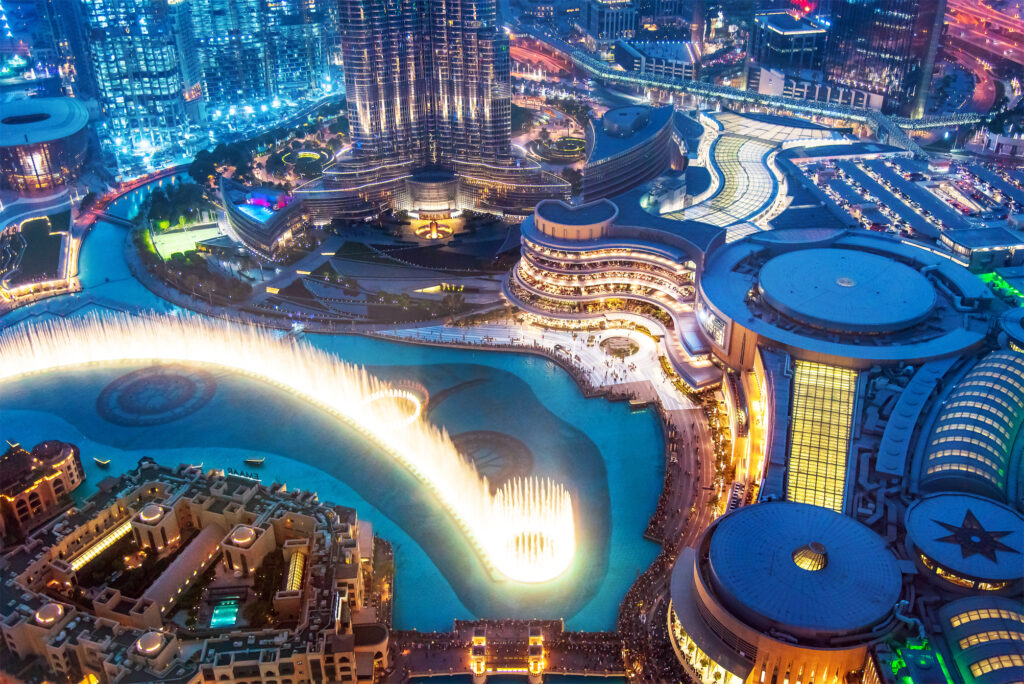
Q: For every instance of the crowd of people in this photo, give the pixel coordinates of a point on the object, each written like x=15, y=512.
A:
x=598, y=650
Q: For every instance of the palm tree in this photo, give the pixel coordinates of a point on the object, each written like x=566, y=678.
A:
x=453, y=303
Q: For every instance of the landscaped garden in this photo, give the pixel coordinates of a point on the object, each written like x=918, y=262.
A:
x=38, y=246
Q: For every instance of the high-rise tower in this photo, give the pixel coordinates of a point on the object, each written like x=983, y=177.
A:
x=886, y=47
x=429, y=96
x=147, y=76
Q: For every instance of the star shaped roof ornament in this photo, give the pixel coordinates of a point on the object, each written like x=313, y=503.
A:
x=975, y=539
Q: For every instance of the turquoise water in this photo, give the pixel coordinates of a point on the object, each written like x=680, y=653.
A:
x=224, y=614
x=609, y=457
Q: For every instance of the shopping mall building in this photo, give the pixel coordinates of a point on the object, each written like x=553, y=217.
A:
x=875, y=393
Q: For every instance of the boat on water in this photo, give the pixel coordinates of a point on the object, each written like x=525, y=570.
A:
x=255, y=461
x=101, y=462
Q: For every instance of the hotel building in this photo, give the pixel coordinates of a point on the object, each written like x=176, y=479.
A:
x=217, y=531
x=886, y=48
x=35, y=484
x=148, y=79
x=606, y=21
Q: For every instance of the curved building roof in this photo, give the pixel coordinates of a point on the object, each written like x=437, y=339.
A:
x=624, y=128
x=757, y=560
x=41, y=119
x=1013, y=325
x=816, y=294
x=971, y=536
x=844, y=290
x=985, y=634
x=583, y=215
x=970, y=445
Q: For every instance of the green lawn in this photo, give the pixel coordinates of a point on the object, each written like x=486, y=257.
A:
x=167, y=244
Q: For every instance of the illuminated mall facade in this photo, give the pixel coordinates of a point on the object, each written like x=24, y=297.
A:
x=875, y=410
x=212, y=528
x=875, y=414
x=43, y=143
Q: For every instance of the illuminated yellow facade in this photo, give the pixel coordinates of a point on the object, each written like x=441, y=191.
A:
x=822, y=413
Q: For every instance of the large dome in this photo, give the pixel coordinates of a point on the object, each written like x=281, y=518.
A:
x=846, y=291
x=803, y=569
x=850, y=298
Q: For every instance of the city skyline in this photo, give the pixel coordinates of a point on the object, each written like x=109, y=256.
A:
x=393, y=341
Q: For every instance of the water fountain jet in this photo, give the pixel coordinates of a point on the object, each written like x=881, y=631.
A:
x=525, y=532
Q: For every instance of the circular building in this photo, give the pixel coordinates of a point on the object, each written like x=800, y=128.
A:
x=1012, y=324
x=782, y=590
x=42, y=142
x=967, y=543
x=847, y=298
x=433, y=193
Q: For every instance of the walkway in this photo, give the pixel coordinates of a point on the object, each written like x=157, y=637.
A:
x=597, y=369
x=503, y=647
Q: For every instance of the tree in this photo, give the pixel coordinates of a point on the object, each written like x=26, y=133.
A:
x=575, y=179
x=453, y=303
x=544, y=135
x=203, y=167
x=309, y=168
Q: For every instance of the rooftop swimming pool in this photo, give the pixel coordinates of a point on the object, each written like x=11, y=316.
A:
x=225, y=613
x=260, y=213
x=512, y=414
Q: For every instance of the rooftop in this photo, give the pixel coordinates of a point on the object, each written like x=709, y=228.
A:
x=41, y=119
x=985, y=238
x=629, y=126
x=847, y=291
x=795, y=308
x=788, y=23
x=583, y=215
x=777, y=564
x=970, y=535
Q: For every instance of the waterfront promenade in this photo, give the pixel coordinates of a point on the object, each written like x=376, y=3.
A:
x=505, y=647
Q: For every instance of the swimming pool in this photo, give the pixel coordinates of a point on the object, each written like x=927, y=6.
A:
x=225, y=613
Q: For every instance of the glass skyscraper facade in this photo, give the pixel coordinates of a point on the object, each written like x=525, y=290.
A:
x=255, y=50
x=886, y=47
x=233, y=50
x=429, y=93
x=427, y=82
x=147, y=76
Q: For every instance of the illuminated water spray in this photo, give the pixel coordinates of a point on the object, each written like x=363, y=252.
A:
x=525, y=531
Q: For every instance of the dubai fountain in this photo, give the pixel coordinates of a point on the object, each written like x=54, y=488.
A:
x=523, y=532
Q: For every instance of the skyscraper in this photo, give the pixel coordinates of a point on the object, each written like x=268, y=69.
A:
x=608, y=20
x=886, y=47
x=429, y=96
x=147, y=74
x=300, y=33
x=233, y=50
x=255, y=50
